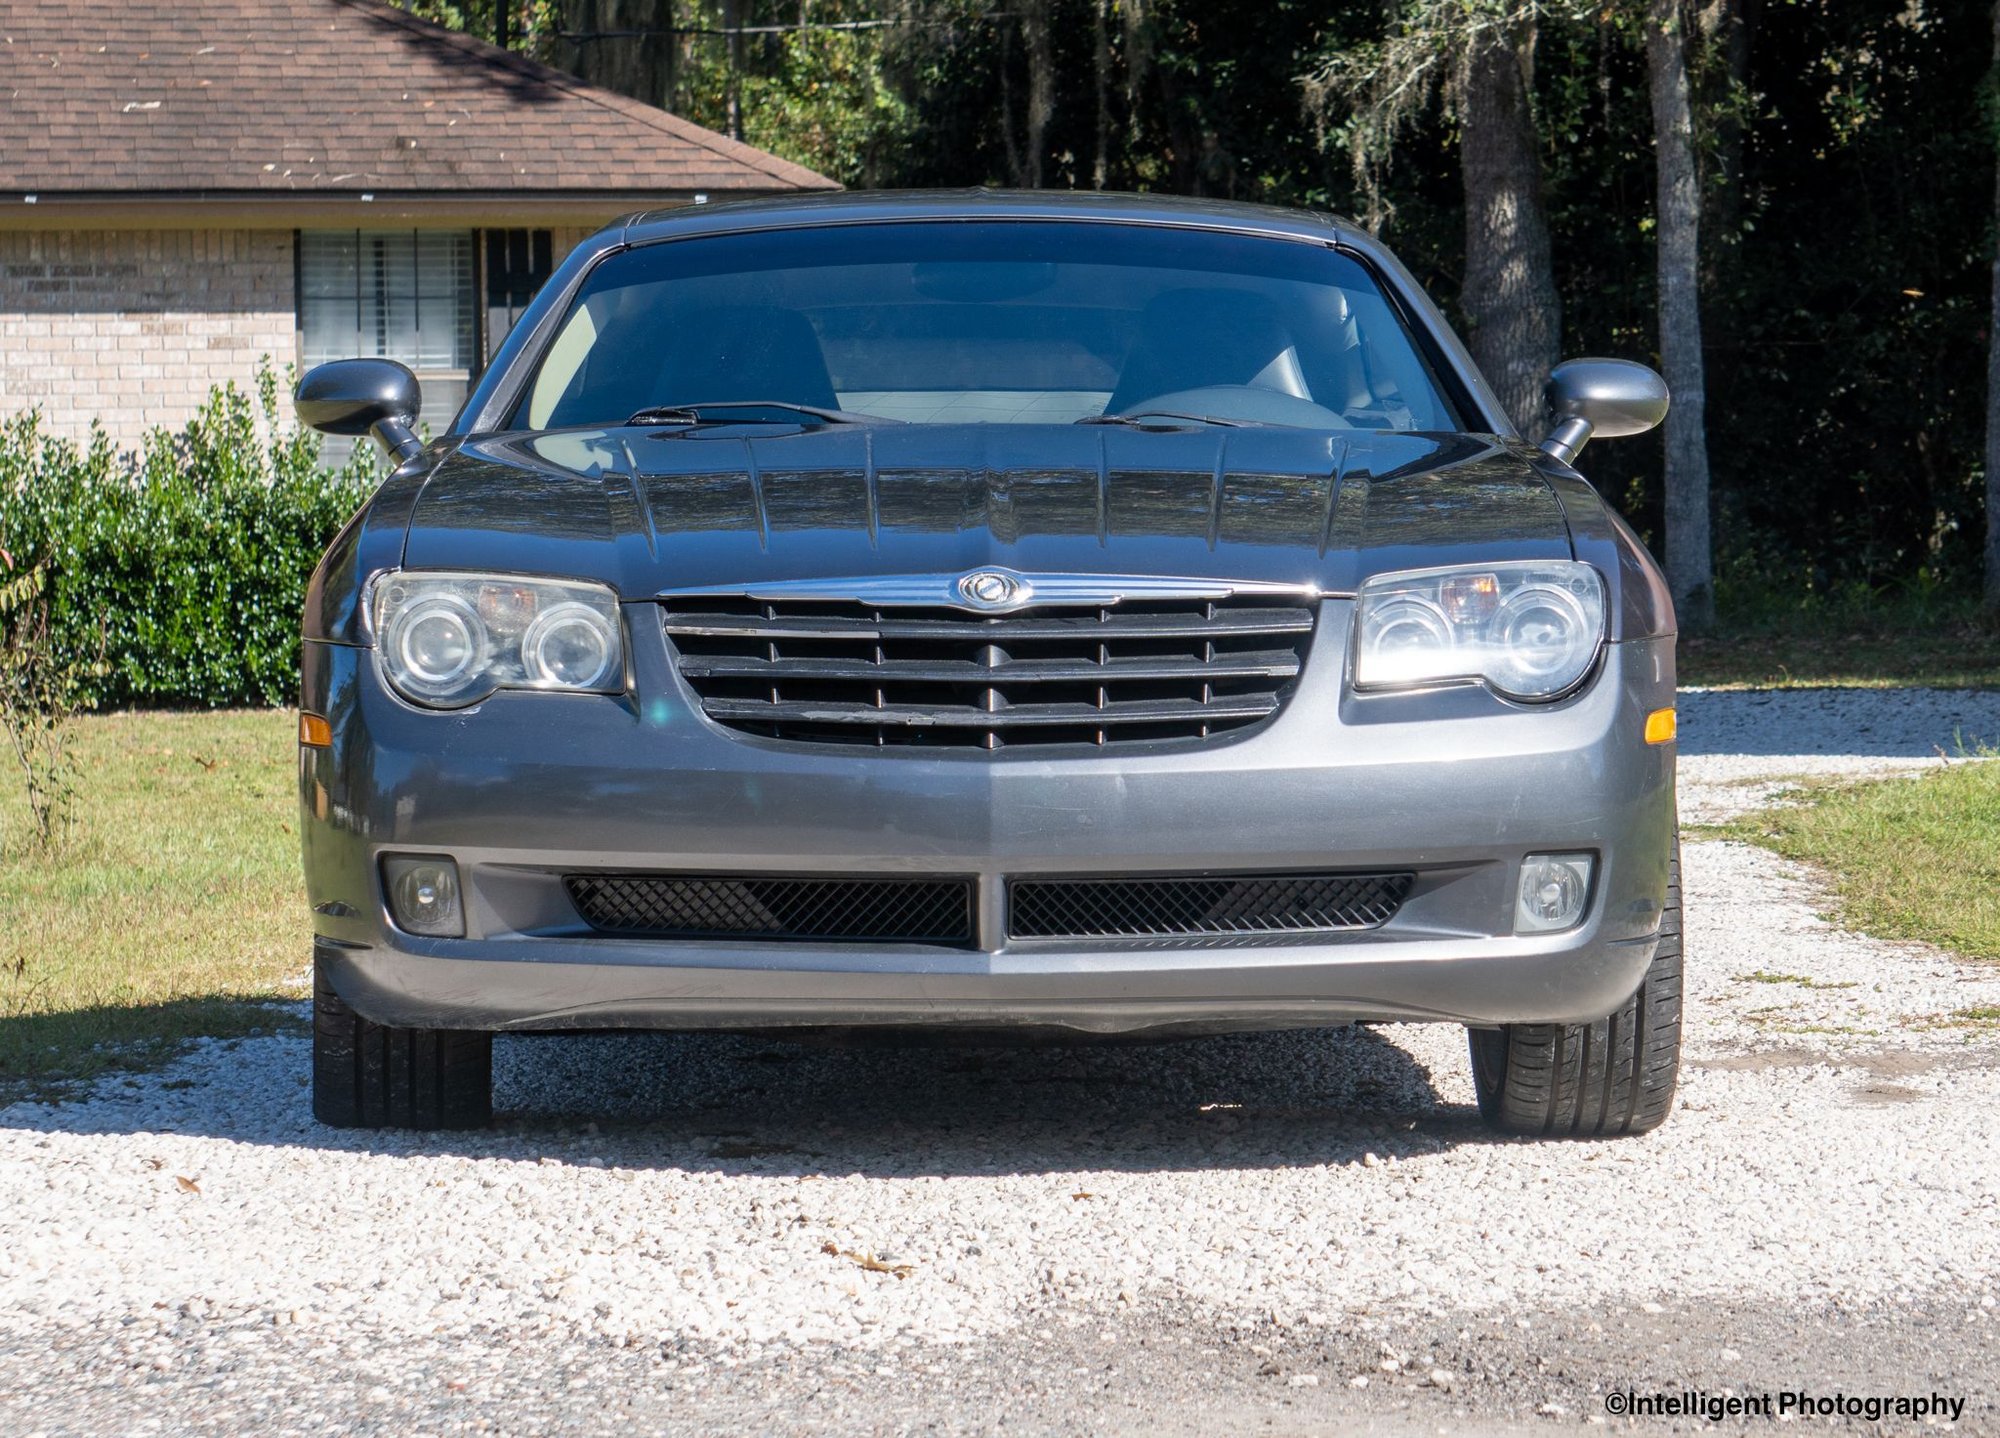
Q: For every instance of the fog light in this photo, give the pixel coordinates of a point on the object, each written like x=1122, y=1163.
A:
x=1554, y=888
x=423, y=895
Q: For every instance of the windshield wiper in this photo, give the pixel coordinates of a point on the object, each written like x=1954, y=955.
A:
x=1145, y=417
x=790, y=413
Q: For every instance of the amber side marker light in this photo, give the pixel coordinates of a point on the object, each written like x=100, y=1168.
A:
x=1661, y=726
x=316, y=733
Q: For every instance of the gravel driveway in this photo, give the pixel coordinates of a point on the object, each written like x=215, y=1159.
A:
x=1246, y=1234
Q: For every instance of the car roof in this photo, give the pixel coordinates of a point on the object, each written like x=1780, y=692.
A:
x=869, y=206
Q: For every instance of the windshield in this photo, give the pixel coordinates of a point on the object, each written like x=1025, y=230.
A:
x=1003, y=322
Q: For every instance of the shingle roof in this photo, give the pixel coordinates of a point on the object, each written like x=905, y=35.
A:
x=144, y=97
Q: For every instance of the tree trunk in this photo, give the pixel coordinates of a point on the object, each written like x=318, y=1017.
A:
x=1138, y=61
x=642, y=67
x=1100, y=169
x=1010, y=148
x=1993, y=388
x=1690, y=572
x=1730, y=26
x=732, y=24
x=1041, y=87
x=1515, y=317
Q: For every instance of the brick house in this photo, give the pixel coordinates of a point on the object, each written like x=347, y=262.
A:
x=188, y=184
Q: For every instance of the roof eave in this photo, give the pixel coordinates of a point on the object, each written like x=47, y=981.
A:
x=296, y=209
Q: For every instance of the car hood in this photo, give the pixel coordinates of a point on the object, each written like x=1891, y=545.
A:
x=650, y=510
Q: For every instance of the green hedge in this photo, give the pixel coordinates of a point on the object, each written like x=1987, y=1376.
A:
x=187, y=561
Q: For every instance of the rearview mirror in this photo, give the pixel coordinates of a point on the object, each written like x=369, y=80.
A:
x=363, y=396
x=1603, y=397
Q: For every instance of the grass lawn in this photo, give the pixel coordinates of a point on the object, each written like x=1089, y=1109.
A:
x=1911, y=858
x=175, y=906
x=1877, y=660
x=1948, y=652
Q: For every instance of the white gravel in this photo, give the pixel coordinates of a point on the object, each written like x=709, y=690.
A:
x=1838, y=1140
x=1738, y=747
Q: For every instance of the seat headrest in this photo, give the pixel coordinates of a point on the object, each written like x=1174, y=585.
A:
x=1192, y=338
x=735, y=352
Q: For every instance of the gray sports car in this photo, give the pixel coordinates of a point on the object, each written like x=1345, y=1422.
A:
x=1019, y=612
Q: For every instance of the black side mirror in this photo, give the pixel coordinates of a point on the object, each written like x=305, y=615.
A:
x=363, y=396
x=1605, y=397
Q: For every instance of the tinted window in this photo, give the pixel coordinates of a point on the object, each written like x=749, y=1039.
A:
x=995, y=322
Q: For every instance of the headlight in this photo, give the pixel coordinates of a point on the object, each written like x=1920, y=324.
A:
x=1529, y=631
x=448, y=640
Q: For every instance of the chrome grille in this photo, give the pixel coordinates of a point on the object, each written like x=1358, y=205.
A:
x=1184, y=905
x=848, y=673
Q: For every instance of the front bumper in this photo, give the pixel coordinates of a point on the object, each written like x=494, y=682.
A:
x=525, y=788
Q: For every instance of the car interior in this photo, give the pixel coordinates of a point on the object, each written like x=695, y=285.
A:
x=915, y=344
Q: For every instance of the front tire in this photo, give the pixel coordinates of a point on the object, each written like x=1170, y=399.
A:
x=1613, y=1076
x=368, y=1075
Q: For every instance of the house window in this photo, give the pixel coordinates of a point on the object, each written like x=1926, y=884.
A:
x=518, y=263
x=405, y=295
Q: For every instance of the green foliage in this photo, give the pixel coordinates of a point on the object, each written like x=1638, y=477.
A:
x=1847, y=153
x=821, y=96
x=1200, y=97
x=184, y=565
x=1848, y=318
x=527, y=20
x=1365, y=94
x=40, y=687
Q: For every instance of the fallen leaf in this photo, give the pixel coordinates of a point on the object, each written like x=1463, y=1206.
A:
x=187, y=1184
x=1085, y=1194
x=868, y=1261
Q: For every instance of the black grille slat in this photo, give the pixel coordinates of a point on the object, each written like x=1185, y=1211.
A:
x=1203, y=905
x=829, y=671
x=1260, y=664
x=766, y=907
x=1025, y=715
